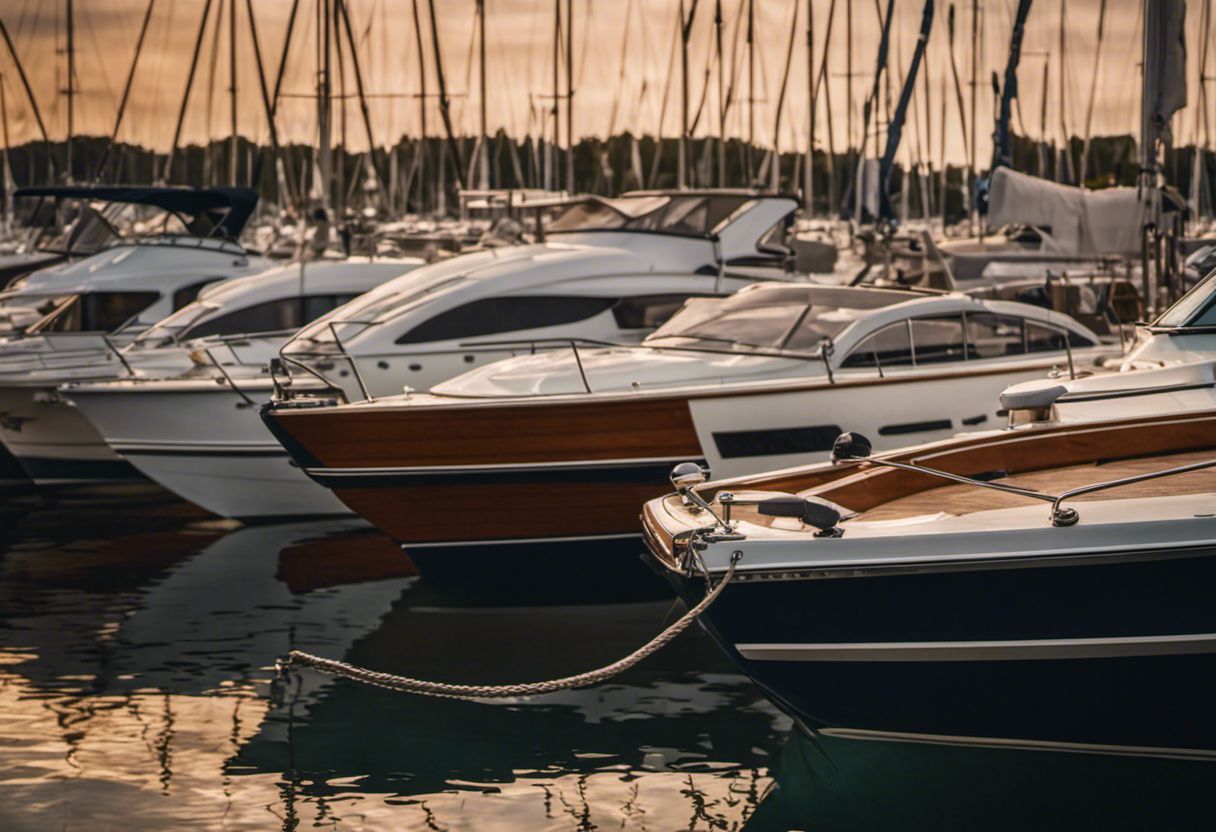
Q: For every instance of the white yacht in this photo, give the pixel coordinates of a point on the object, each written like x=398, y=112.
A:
x=80, y=313
x=201, y=370
x=609, y=270
x=1171, y=369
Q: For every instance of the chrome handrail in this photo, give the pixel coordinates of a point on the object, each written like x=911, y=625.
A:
x=354, y=368
x=1059, y=516
x=248, y=401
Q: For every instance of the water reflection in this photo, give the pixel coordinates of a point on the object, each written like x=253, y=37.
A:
x=138, y=639
x=860, y=781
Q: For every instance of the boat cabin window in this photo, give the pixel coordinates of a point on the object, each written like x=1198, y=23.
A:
x=271, y=316
x=994, y=336
x=770, y=318
x=1196, y=308
x=647, y=311
x=490, y=316
x=937, y=340
x=1045, y=339
x=686, y=216
x=95, y=312
x=974, y=336
x=890, y=346
x=189, y=294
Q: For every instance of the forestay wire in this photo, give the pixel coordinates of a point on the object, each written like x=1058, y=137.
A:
x=406, y=684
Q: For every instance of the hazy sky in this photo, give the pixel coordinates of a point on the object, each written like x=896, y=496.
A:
x=623, y=56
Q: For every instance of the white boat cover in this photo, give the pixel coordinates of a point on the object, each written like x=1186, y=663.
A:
x=1081, y=221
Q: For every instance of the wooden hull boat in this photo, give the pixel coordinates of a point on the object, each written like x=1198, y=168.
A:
x=950, y=608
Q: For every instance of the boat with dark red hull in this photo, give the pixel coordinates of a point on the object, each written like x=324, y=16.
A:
x=564, y=446
x=1050, y=584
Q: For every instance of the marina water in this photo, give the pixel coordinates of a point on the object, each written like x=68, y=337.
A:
x=137, y=686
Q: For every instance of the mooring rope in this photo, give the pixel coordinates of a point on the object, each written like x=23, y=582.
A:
x=405, y=684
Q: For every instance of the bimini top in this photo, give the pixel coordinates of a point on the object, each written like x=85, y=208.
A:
x=205, y=212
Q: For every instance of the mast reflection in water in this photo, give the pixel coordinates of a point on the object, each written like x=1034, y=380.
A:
x=137, y=641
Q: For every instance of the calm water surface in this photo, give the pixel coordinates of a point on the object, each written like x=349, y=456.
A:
x=137, y=691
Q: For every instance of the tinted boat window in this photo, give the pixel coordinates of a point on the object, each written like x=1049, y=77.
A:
x=891, y=346
x=993, y=336
x=271, y=316
x=937, y=340
x=189, y=294
x=684, y=215
x=490, y=316
x=647, y=312
x=96, y=312
x=1040, y=338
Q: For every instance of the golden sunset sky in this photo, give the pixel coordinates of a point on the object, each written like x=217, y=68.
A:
x=623, y=56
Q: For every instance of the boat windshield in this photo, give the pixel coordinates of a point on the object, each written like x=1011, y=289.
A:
x=793, y=319
x=94, y=312
x=19, y=310
x=170, y=329
x=1195, y=309
x=683, y=216
x=86, y=227
x=372, y=308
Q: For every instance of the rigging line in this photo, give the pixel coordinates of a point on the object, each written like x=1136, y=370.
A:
x=1093, y=89
x=363, y=108
x=181, y=114
x=785, y=78
x=444, y=104
x=126, y=92
x=623, y=63
x=736, y=66
x=25, y=82
x=658, y=144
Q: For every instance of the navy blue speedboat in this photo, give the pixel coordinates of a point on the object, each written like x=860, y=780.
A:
x=1053, y=584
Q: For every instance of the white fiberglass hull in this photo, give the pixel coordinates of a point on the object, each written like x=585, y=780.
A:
x=53, y=442
x=207, y=445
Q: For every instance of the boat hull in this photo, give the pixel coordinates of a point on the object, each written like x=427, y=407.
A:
x=1120, y=650
x=475, y=475
x=208, y=446
x=466, y=471
x=54, y=443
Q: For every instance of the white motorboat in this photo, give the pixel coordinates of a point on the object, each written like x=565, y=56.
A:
x=75, y=317
x=565, y=445
x=219, y=344
x=611, y=270
x=1171, y=369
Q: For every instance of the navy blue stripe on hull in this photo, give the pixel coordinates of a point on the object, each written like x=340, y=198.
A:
x=77, y=470
x=645, y=473
x=201, y=452
x=1155, y=700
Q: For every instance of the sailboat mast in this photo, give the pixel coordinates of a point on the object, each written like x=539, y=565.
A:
x=324, y=108
x=7, y=173
x=808, y=175
x=1064, y=173
x=751, y=87
x=483, y=159
x=718, y=25
x=681, y=147
x=570, y=96
x=420, y=166
x=233, y=158
x=70, y=90
x=551, y=180
x=972, y=162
